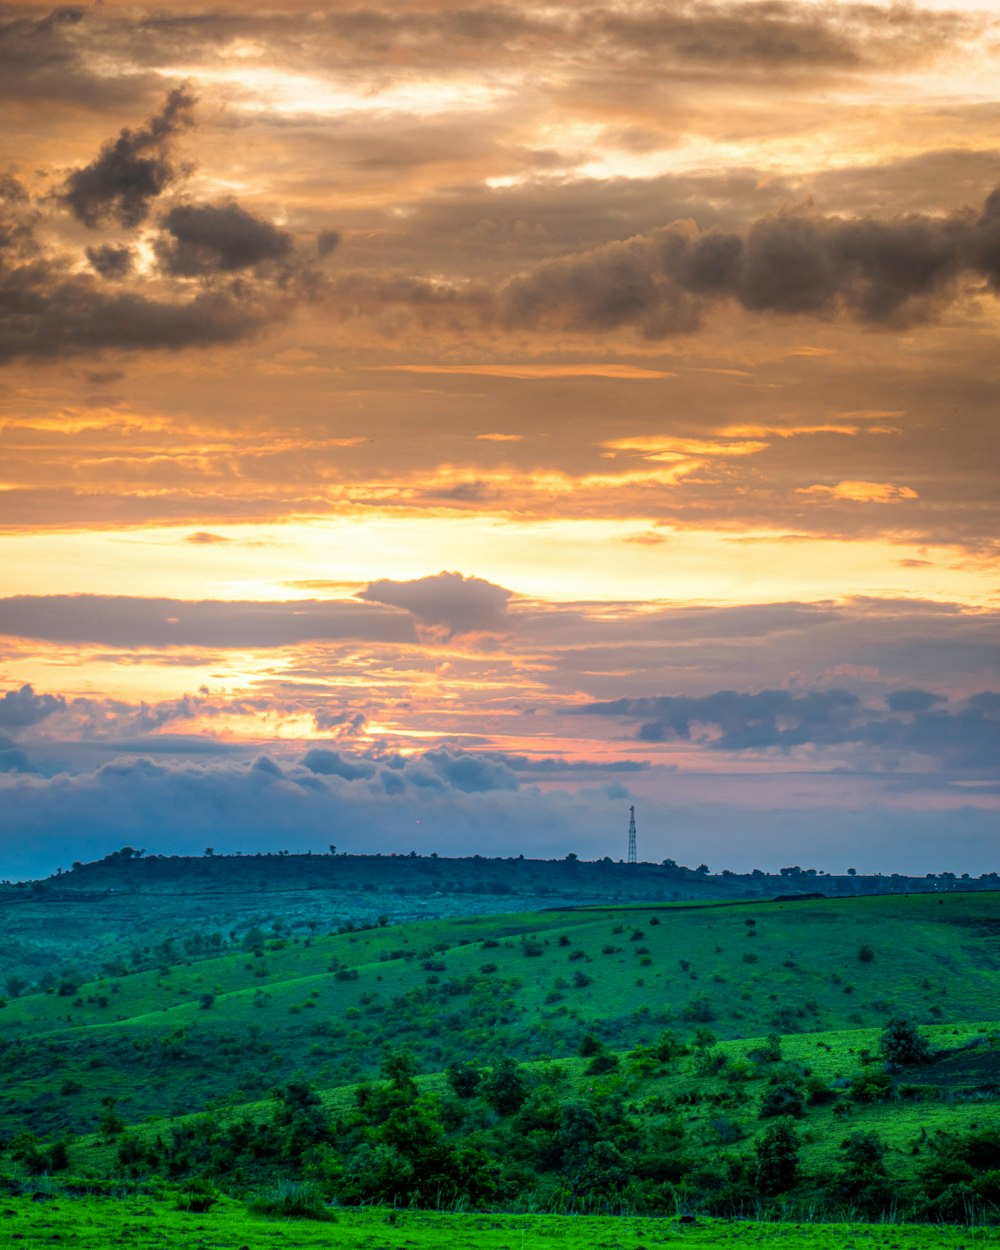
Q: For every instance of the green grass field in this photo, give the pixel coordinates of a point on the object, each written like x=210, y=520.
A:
x=198, y=1043
x=145, y=1224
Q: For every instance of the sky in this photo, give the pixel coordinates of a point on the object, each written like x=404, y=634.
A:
x=444, y=425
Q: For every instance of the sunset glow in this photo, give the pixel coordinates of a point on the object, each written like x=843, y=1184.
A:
x=607, y=395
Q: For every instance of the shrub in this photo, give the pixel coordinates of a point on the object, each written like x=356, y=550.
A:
x=602, y=1063
x=198, y=1196
x=783, y=1100
x=901, y=1042
x=292, y=1199
x=776, y=1163
x=870, y=1086
x=770, y=1052
x=699, y=1009
x=818, y=1093
x=866, y=954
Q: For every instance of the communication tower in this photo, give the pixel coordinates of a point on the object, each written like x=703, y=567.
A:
x=631, y=835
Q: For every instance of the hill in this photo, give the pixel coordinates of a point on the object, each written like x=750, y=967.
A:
x=623, y=1056
x=131, y=911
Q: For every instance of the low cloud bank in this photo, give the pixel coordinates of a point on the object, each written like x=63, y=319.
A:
x=450, y=803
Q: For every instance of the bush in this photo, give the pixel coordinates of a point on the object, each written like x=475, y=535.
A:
x=770, y=1052
x=292, y=1199
x=602, y=1064
x=866, y=954
x=901, y=1042
x=776, y=1164
x=198, y=1196
x=701, y=1010
x=783, y=1100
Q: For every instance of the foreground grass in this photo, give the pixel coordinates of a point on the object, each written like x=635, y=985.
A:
x=150, y=1224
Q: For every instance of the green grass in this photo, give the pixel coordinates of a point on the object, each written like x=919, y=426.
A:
x=155, y=1224
x=793, y=969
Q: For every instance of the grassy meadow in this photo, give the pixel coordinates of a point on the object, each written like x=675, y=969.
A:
x=149, y=1224
x=626, y=1062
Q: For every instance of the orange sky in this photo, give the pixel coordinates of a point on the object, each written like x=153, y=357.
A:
x=539, y=408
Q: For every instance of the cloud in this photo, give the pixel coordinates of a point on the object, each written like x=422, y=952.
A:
x=960, y=736
x=793, y=262
x=20, y=709
x=184, y=806
x=110, y=261
x=327, y=242
x=251, y=277
x=131, y=171
x=205, y=538
x=180, y=807
x=472, y=774
x=862, y=492
x=332, y=764
x=218, y=238
x=457, y=604
x=13, y=759
x=775, y=37
x=121, y=621
x=46, y=313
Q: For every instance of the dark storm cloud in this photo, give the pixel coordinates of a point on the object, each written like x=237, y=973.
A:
x=131, y=171
x=461, y=605
x=20, y=709
x=963, y=735
x=47, y=313
x=119, y=621
x=50, y=310
x=793, y=262
x=218, y=238
x=110, y=261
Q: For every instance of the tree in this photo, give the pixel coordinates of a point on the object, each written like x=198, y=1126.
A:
x=776, y=1161
x=862, y=1177
x=505, y=1088
x=785, y=1099
x=902, y=1043
x=16, y=985
x=464, y=1079
x=111, y=1122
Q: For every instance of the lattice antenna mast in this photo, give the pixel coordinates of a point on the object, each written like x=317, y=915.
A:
x=631, y=835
